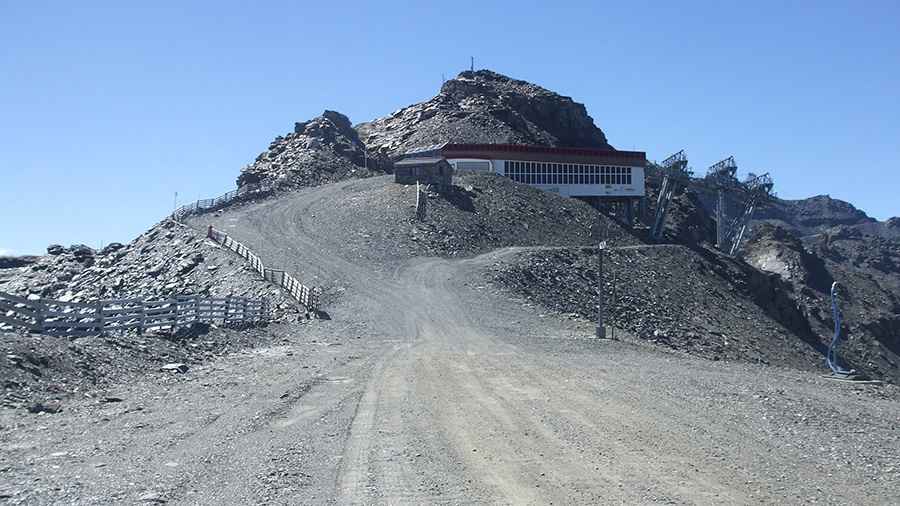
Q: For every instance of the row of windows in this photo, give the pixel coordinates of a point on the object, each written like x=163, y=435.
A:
x=566, y=173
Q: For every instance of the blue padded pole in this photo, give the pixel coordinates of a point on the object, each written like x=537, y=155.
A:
x=832, y=354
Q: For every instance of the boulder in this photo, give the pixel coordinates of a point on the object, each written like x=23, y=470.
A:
x=81, y=250
x=111, y=248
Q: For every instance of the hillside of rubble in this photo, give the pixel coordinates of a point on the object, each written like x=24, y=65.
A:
x=706, y=305
x=167, y=260
x=376, y=220
x=42, y=372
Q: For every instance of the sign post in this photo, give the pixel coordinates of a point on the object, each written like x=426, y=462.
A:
x=601, y=327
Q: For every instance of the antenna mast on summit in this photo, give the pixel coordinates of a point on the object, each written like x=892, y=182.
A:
x=472, y=63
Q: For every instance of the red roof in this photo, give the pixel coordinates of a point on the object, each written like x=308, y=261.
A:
x=519, y=148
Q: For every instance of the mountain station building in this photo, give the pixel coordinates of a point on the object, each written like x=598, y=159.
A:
x=596, y=175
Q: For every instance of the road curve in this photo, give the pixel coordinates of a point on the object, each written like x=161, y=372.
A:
x=483, y=399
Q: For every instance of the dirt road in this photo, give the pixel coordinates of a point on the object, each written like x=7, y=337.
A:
x=429, y=387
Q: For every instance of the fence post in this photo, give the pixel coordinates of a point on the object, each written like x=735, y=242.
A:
x=143, y=322
x=41, y=315
x=98, y=319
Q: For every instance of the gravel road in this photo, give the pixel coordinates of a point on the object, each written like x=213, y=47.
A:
x=428, y=386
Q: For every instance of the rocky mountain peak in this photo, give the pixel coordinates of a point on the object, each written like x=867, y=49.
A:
x=486, y=107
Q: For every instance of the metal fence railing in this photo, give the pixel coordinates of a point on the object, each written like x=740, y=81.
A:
x=101, y=317
x=305, y=295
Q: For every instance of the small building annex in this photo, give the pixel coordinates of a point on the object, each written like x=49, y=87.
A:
x=425, y=170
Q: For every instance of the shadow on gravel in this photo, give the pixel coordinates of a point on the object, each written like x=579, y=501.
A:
x=459, y=197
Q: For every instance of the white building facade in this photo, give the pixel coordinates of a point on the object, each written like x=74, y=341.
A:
x=571, y=172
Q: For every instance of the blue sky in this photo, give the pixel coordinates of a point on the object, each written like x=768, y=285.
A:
x=109, y=108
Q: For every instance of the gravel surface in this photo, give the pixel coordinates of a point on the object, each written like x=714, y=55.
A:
x=430, y=386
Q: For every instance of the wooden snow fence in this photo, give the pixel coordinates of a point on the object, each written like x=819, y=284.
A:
x=207, y=205
x=101, y=317
x=305, y=295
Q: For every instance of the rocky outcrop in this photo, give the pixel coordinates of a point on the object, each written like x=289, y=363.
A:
x=867, y=269
x=775, y=249
x=322, y=150
x=485, y=107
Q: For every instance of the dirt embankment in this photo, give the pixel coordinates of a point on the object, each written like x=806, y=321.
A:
x=374, y=219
